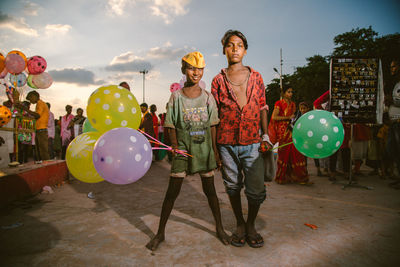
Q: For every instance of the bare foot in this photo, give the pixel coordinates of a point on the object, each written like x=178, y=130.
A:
x=153, y=244
x=223, y=237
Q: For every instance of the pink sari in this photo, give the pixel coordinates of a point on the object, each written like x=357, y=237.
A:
x=291, y=163
x=66, y=134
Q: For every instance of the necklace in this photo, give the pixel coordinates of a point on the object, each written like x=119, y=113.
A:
x=237, y=84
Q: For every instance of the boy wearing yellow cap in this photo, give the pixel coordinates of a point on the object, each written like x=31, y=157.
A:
x=191, y=119
x=240, y=95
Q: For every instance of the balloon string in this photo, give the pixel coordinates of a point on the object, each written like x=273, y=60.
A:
x=280, y=146
x=155, y=141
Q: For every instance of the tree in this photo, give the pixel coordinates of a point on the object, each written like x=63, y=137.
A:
x=388, y=48
x=357, y=42
x=308, y=82
x=364, y=42
x=312, y=80
x=272, y=93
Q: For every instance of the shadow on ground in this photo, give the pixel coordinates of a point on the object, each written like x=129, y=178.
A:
x=145, y=197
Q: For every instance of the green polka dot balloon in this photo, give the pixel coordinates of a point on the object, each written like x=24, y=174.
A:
x=318, y=134
x=112, y=107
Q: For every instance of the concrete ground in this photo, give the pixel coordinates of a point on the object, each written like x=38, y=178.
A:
x=356, y=227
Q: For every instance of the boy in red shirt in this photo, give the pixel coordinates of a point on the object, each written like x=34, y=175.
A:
x=240, y=94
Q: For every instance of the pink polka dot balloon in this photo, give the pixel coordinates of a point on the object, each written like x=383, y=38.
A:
x=174, y=87
x=36, y=65
x=122, y=155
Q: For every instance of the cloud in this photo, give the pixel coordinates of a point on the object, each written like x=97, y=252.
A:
x=168, y=9
x=153, y=75
x=77, y=76
x=31, y=9
x=57, y=28
x=128, y=62
x=118, y=77
x=117, y=7
x=124, y=58
x=17, y=25
x=167, y=52
x=133, y=66
x=76, y=101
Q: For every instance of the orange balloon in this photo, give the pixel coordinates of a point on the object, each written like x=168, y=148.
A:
x=18, y=53
x=2, y=62
x=5, y=115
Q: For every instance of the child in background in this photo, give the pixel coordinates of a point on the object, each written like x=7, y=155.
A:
x=191, y=118
x=303, y=109
x=385, y=161
x=24, y=139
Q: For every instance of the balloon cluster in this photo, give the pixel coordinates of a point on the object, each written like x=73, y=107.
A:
x=21, y=70
x=110, y=147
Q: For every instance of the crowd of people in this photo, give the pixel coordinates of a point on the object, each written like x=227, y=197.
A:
x=226, y=129
x=48, y=138
x=375, y=145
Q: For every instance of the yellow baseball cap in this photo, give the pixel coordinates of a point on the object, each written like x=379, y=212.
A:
x=195, y=59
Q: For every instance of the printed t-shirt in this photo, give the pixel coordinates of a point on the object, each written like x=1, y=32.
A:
x=192, y=119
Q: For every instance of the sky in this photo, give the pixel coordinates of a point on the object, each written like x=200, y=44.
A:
x=91, y=43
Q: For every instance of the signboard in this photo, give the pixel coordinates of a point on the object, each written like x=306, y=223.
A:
x=356, y=89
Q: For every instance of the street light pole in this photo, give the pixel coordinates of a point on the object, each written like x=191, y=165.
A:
x=281, y=70
x=280, y=73
x=144, y=72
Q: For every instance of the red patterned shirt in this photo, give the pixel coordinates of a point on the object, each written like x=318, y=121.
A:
x=238, y=126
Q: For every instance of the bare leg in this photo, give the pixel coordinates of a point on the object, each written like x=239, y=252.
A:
x=209, y=191
x=173, y=190
x=239, y=236
x=253, y=237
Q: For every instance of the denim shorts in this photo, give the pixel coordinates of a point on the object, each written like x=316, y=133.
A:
x=243, y=165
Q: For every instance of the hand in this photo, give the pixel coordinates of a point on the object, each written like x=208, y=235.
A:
x=174, y=148
x=19, y=105
x=218, y=160
x=267, y=145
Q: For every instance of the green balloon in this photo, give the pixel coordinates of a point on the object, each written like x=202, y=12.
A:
x=30, y=83
x=87, y=127
x=318, y=134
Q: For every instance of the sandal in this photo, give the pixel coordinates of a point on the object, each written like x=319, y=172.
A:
x=255, y=241
x=238, y=241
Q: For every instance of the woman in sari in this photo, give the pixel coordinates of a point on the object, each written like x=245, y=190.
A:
x=66, y=130
x=291, y=163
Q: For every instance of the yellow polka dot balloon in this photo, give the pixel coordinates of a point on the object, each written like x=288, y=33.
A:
x=5, y=115
x=79, y=158
x=112, y=107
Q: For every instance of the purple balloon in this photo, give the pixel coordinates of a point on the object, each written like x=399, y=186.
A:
x=122, y=155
